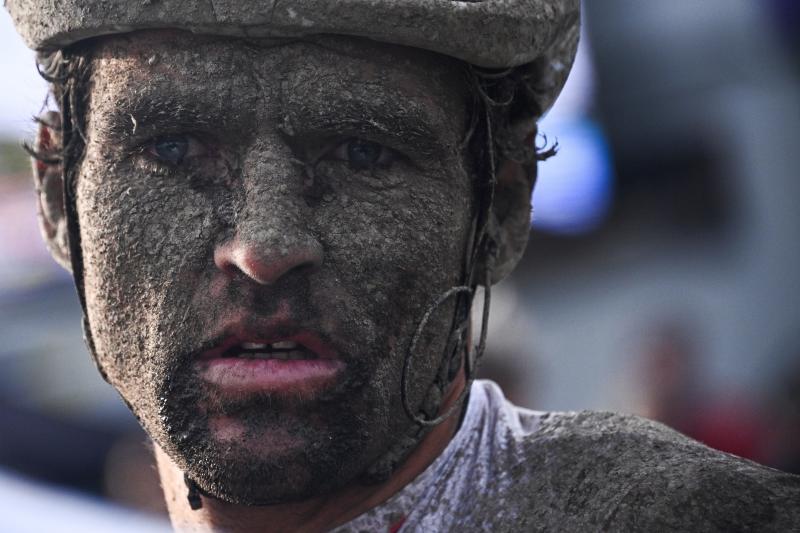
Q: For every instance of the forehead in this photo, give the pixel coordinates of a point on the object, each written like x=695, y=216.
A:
x=236, y=80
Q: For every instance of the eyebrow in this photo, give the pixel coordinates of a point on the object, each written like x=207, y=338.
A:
x=408, y=132
x=145, y=114
x=411, y=125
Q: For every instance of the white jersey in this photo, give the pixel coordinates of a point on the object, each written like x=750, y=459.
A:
x=513, y=469
x=439, y=497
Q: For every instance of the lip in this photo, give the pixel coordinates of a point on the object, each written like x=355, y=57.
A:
x=304, y=377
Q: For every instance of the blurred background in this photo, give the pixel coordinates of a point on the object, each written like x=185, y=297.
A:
x=661, y=277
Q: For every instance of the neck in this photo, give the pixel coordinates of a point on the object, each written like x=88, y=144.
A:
x=315, y=514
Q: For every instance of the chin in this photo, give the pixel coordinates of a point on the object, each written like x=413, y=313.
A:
x=262, y=450
x=262, y=443
x=270, y=458
x=261, y=477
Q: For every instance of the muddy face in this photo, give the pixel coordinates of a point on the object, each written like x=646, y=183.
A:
x=270, y=191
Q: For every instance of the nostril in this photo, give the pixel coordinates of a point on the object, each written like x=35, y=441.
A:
x=265, y=265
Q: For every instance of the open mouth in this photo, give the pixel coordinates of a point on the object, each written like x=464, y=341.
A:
x=299, y=363
x=281, y=350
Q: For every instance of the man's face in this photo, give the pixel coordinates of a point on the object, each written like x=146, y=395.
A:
x=263, y=227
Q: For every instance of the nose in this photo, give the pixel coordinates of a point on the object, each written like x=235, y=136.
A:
x=267, y=256
x=271, y=237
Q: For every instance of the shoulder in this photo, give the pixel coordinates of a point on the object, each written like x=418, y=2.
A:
x=605, y=471
x=623, y=472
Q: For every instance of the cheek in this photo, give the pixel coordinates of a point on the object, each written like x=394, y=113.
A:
x=139, y=237
x=399, y=225
x=404, y=246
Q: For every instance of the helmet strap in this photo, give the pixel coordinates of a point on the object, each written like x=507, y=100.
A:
x=70, y=129
x=481, y=254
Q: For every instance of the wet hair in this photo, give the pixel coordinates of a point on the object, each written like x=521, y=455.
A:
x=68, y=73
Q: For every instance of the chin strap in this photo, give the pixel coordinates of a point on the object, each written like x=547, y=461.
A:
x=483, y=249
x=457, y=354
x=69, y=170
x=457, y=344
x=195, y=502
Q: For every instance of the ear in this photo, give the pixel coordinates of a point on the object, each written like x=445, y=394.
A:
x=49, y=181
x=510, y=222
x=510, y=218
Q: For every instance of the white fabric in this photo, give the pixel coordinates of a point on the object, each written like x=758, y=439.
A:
x=476, y=463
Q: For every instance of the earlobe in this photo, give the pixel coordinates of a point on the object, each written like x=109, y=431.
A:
x=49, y=180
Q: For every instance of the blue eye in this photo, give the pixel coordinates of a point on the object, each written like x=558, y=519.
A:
x=362, y=154
x=172, y=149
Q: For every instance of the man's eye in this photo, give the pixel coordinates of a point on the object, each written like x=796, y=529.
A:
x=175, y=148
x=363, y=155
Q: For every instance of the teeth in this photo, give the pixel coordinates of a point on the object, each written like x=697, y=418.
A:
x=283, y=350
x=263, y=355
x=254, y=346
x=284, y=345
x=292, y=355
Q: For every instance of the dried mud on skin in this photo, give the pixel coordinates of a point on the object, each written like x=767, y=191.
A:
x=392, y=238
